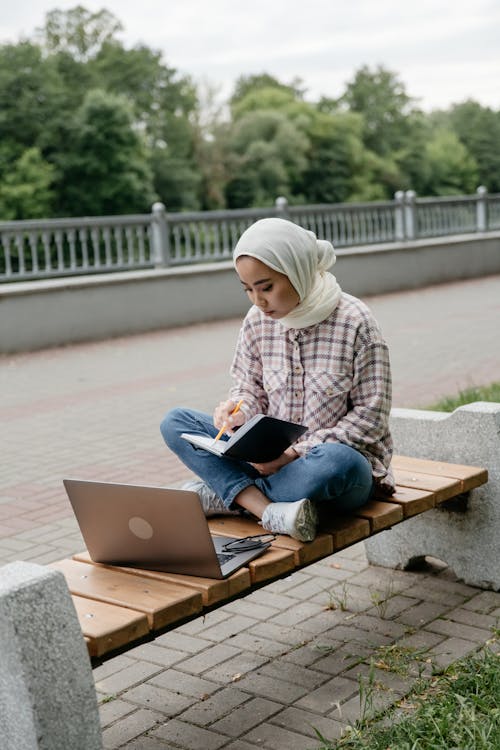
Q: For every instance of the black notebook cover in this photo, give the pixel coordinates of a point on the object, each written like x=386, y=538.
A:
x=259, y=440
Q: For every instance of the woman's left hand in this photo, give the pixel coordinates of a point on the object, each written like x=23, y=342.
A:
x=271, y=467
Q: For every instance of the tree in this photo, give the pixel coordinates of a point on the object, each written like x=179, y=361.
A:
x=452, y=170
x=268, y=158
x=478, y=128
x=105, y=170
x=254, y=83
x=78, y=31
x=26, y=188
x=382, y=100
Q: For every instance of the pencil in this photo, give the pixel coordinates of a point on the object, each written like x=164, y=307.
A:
x=224, y=426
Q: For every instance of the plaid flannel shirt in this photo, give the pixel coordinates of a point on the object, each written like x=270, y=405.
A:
x=334, y=377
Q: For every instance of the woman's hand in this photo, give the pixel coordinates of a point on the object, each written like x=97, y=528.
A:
x=223, y=416
x=271, y=467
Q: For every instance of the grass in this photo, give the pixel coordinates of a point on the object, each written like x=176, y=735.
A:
x=457, y=710
x=467, y=396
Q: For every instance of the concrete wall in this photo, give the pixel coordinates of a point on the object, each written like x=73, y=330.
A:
x=38, y=314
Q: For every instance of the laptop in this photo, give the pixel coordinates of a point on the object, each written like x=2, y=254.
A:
x=155, y=528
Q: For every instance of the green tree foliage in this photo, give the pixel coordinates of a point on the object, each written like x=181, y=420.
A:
x=78, y=31
x=381, y=98
x=26, y=187
x=103, y=143
x=452, y=169
x=479, y=130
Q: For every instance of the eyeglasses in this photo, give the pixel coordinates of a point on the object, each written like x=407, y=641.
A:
x=248, y=543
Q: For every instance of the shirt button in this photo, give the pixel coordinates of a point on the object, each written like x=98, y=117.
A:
x=298, y=369
x=329, y=391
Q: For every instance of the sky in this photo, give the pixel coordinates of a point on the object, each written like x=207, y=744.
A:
x=443, y=51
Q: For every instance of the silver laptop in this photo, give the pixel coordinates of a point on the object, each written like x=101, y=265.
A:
x=154, y=528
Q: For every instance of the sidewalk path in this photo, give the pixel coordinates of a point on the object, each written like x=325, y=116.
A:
x=265, y=669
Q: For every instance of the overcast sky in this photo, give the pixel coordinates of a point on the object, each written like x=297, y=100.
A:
x=444, y=51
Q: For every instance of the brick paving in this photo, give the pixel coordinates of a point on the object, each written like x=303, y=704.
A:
x=271, y=668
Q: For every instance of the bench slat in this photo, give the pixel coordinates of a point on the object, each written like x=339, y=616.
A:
x=469, y=476
x=346, y=530
x=413, y=501
x=443, y=487
x=380, y=514
x=273, y=563
x=107, y=627
x=162, y=603
x=212, y=590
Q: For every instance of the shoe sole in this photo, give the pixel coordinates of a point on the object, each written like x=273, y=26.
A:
x=306, y=521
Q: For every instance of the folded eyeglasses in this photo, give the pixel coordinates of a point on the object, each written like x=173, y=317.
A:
x=248, y=543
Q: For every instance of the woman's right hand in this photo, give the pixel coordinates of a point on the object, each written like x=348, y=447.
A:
x=223, y=416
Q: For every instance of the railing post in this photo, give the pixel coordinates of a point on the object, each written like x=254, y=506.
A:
x=409, y=210
x=481, y=209
x=281, y=206
x=399, y=218
x=159, y=235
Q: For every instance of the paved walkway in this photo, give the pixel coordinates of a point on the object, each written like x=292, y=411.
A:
x=268, y=669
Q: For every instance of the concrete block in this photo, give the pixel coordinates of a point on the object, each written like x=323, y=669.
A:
x=47, y=694
x=468, y=541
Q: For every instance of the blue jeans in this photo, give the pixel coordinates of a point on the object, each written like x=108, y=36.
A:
x=330, y=473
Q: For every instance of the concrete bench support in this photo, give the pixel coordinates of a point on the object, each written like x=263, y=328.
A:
x=47, y=694
x=466, y=538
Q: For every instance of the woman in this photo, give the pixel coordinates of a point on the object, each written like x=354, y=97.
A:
x=308, y=353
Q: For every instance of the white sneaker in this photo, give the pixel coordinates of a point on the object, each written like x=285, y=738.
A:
x=298, y=520
x=210, y=502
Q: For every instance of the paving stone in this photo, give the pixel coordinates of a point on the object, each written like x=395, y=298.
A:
x=251, y=608
x=484, y=601
x=277, y=738
x=243, y=718
x=270, y=687
x=129, y=727
x=459, y=630
x=311, y=652
x=112, y=710
x=428, y=591
x=271, y=599
x=421, y=640
x=184, y=684
x=306, y=722
x=165, y=701
x=296, y=615
x=189, y=737
x=341, y=659
x=127, y=677
x=379, y=625
x=216, y=707
x=233, y=669
x=281, y=633
x=250, y=641
x=111, y=666
x=422, y=613
x=157, y=654
x=177, y=640
x=147, y=743
x=229, y=627
x=323, y=699
x=283, y=670
x=390, y=608
x=200, y=624
x=207, y=659
x=474, y=619
x=450, y=650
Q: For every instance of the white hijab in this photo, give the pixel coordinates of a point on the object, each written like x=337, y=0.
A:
x=298, y=254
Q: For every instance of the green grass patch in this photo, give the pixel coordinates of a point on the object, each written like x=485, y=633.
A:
x=468, y=396
x=458, y=709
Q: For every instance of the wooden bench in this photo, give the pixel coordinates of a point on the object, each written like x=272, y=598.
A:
x=119, y=606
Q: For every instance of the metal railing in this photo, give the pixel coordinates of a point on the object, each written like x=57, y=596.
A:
x=67, y=247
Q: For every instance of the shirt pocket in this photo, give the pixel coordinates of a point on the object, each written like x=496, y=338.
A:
x=274, y=380
x=327, y=394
